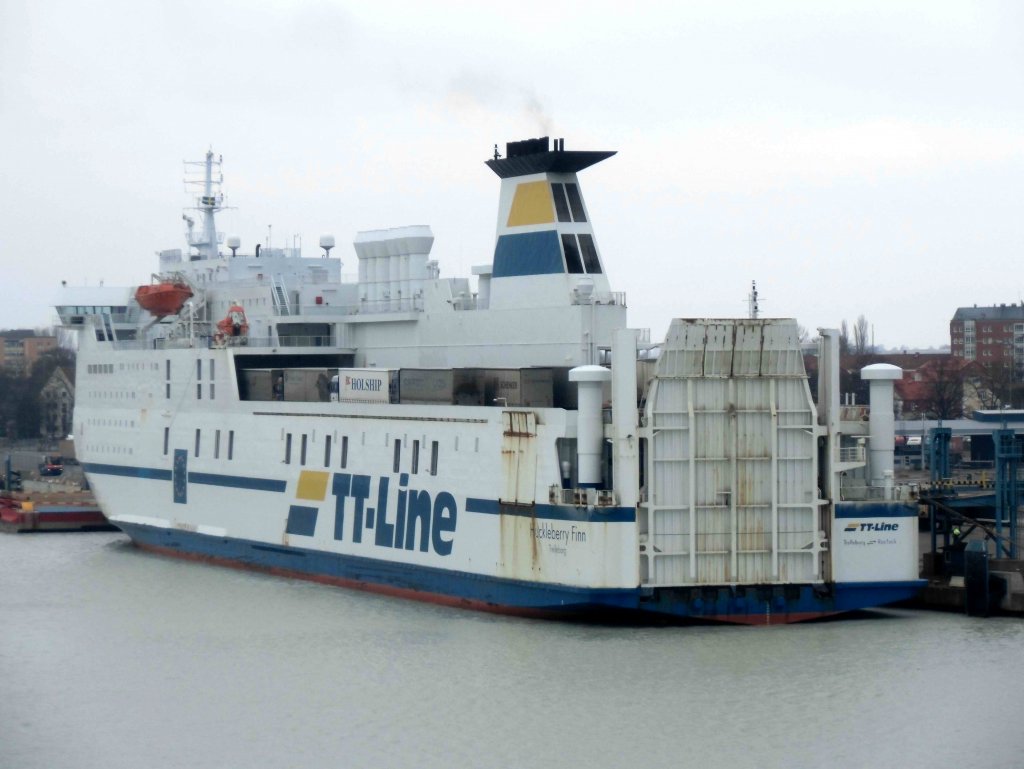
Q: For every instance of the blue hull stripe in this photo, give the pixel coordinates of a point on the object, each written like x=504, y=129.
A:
x=207, y=479
x=127, y=471
x=875, y=510
x=753, y=604
x=552, y=512
x=238, y=482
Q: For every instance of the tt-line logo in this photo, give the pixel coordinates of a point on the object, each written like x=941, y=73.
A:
x=857, y=526
x=371, y=507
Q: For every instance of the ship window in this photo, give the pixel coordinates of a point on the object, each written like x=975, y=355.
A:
x=199, y=368
x=398, y=455
x=167, y=439
x=199, y=390
x=433, y=457
x=590, y=260
x=561, y=207
x=344, y=452
x=575, y=203
x=211, y=390
x=302, y=451
x=211, y=368
x=168, y=390
x=327, y=451
x=231, y=444
x=197, y=441
x=288, y=449
x=572, y=255
x=216, y=445
x=415, y=457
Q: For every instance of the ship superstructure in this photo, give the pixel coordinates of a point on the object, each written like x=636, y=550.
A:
x=504, y=442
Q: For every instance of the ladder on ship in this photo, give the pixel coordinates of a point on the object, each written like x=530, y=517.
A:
x=280, y=295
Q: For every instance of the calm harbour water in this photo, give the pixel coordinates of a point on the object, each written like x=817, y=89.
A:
x=111, y=657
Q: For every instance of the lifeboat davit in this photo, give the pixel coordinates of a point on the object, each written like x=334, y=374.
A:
x=164, y=298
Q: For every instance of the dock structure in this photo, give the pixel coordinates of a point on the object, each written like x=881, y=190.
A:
x=974, y=559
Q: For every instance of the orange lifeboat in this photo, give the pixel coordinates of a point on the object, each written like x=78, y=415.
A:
x=164, y=298
x=235, y=324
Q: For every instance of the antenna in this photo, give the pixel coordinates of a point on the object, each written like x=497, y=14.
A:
x=752, y=302
x=497, y=155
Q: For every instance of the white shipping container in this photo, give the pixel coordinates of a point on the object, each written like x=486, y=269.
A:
x=363, y=385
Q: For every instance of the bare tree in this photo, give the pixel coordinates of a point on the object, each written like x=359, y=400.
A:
x=844, y=338
x=994, y=384
x=944, y=397
x=861, y=339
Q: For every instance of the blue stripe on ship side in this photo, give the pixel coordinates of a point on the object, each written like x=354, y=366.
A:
x=552, y=512
x=237, y=482
x=126, y=471
x=875, y=510
x=207, y=479
x=751, y=604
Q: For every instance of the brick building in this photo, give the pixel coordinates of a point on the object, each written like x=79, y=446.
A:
x=20, y=349
x=990, y=335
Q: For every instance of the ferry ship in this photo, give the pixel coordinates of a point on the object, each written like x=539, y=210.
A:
x=503, y=441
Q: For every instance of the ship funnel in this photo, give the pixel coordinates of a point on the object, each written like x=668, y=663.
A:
x=590, y=427
x=881, y=421
x=545, y=243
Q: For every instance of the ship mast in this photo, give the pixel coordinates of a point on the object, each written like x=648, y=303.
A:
x=208, y=203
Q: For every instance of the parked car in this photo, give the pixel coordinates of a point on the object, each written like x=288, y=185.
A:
x=52, y=464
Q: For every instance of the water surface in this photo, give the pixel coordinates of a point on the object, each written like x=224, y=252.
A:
x=114, y=658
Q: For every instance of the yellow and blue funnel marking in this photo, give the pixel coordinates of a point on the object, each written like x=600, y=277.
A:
x=313, y=487
x=532, y=204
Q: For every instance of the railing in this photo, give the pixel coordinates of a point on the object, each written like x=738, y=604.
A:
x=870, y=493
x=853, y=413
x=583, y=497
x=206, y=341
x=603, y=297
x=851, y=454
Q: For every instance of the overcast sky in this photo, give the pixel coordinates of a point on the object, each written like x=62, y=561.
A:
x=851, y=157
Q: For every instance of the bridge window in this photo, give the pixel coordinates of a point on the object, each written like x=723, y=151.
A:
x=575, y=202
x=561, y=207
x=573, y=263
x=590, y=260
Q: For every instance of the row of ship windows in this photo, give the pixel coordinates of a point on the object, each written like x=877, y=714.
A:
x=97, y=448
x=115, y=395
x=414, y=458
x=108, y=368
x=217, y=443
x=130, y=423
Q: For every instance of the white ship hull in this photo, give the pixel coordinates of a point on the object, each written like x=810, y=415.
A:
x=687, y=486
